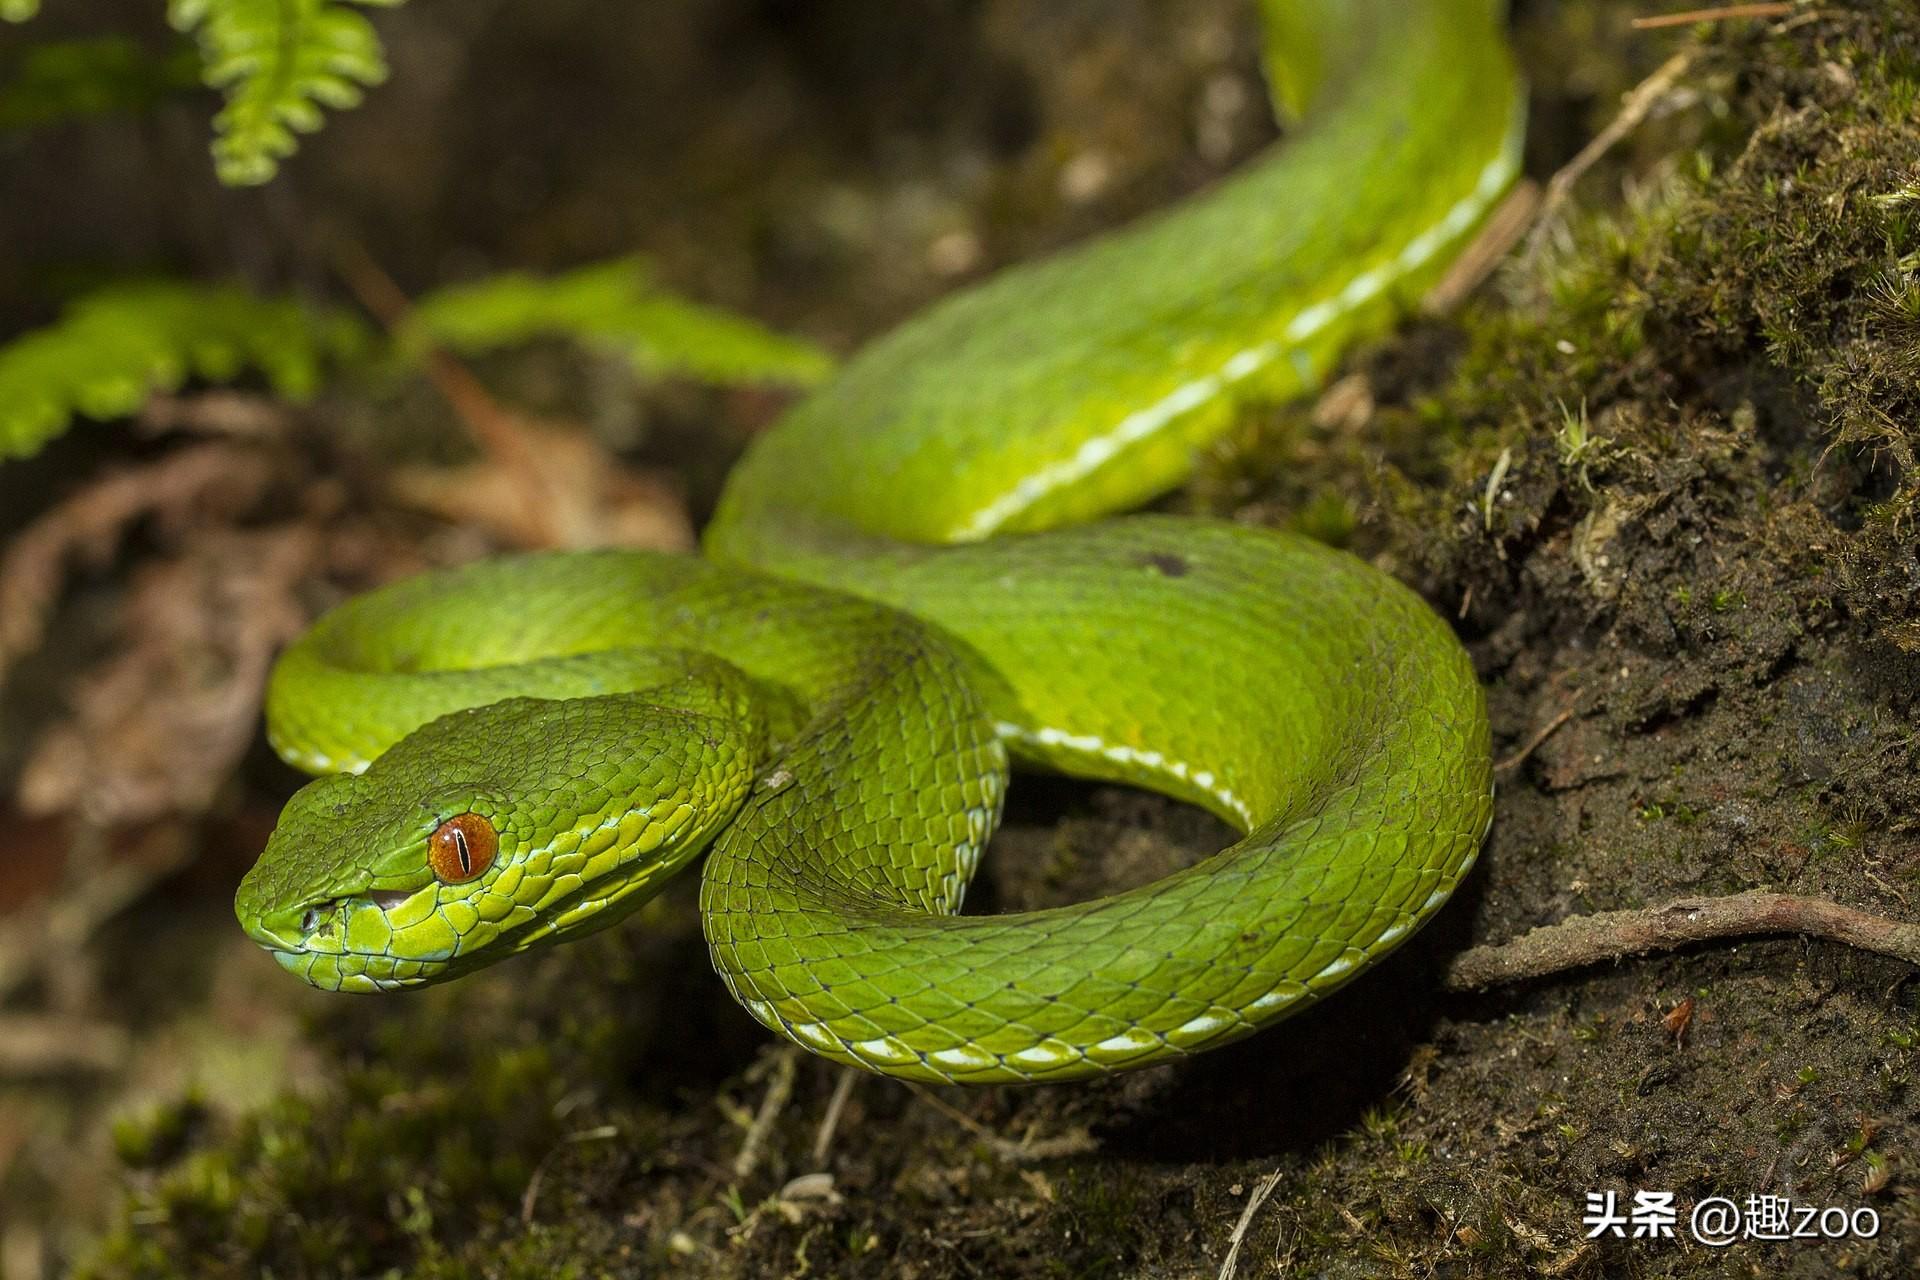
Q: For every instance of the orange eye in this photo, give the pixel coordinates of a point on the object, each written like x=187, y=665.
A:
x=462, y=848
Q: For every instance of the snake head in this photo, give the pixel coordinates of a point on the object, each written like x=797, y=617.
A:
x=492, y=830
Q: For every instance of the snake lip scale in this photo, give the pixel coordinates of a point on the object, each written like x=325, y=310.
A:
x=918, y=579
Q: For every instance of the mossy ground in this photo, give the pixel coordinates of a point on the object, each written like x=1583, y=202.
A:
x=1664, y=476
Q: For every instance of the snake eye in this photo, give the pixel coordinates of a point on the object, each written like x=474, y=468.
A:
x=462, y=848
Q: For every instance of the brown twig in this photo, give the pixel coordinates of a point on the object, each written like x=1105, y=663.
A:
x=1070, y=1144
x=157, y=728
x=1638, y=105
x=52, y=938
x=842, y=1090
x=530, y=1198
x=491, y=427
x=38, y=1045
x=1614, y=935
x=784, y=1062
x=1532, y=744
x=1483, y=253
x=90, y=523
x=237, y=415
x=1690, y=16
x=1239, y=1236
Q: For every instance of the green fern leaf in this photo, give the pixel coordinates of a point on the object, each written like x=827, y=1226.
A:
x=278, y=62
x=614, y=306
x=119, y=345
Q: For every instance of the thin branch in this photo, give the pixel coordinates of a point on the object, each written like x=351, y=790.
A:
x=1070, y=1144
x=530, y=1198
x=842, y=1090
x=1614, y=935
x=1239, y=1236
x=491, y=427
x=92, y=520
x=240, y=415
x=785, y=1058
x=53, y=937
x=1638, y=105
x=1532, y=744
x=34, y=1045
x=1688, y=17
x=1476, y=262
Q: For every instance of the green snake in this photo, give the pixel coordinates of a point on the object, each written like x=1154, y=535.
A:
x=901, y=590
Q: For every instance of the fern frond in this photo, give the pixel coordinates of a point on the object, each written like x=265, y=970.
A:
x=278, y=62
x=613, y=305
x=119, y=345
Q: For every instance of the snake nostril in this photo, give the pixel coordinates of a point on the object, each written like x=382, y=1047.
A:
x=310, y=921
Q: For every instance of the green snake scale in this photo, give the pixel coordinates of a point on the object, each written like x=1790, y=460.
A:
x=914, y=576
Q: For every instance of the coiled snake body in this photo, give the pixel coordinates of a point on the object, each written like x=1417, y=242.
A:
x=522, y=750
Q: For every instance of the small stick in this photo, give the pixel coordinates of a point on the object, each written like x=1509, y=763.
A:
x=42, y=941
x=1071, y=1144
x=42, y=1045
x=1519, y=757
x=531, y=1196
x=1639, y=103
x=1613, y=935
x=1483, y=253
x=779, y=1090
x=1234, y=1241
x=489, y=425
x=1690, y=16
x=842, y=1090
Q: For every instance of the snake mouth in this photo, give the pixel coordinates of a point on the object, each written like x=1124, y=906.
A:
x=319, y=943
x=324, y=956
x=292, y=931
x=385, y=899
x=317, y=914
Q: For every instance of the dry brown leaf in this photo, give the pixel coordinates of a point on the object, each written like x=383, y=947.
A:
x=577, y=495
x=159, y=727
x=209, y=481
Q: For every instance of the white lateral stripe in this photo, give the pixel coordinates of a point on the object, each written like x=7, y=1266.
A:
x=1089, y=744
x=1094, y=453
x=1044, y=1054
x=1133, y=1040
x=1203, y=1025
x=1363, y=288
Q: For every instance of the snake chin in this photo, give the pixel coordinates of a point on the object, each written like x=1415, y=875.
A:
x=349, y=971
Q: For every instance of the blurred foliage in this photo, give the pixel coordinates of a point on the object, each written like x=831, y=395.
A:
x=114, y=347
x=278, y=62
x=118, y=345
x=77, y=79
x=615, y=306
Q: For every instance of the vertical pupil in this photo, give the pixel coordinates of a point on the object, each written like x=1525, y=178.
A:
x=460, y=845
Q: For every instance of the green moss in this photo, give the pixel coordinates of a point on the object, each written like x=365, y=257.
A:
x=158, y=1134
x=418, y=1150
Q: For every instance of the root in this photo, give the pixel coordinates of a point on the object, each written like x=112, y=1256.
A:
x=1613, y=935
